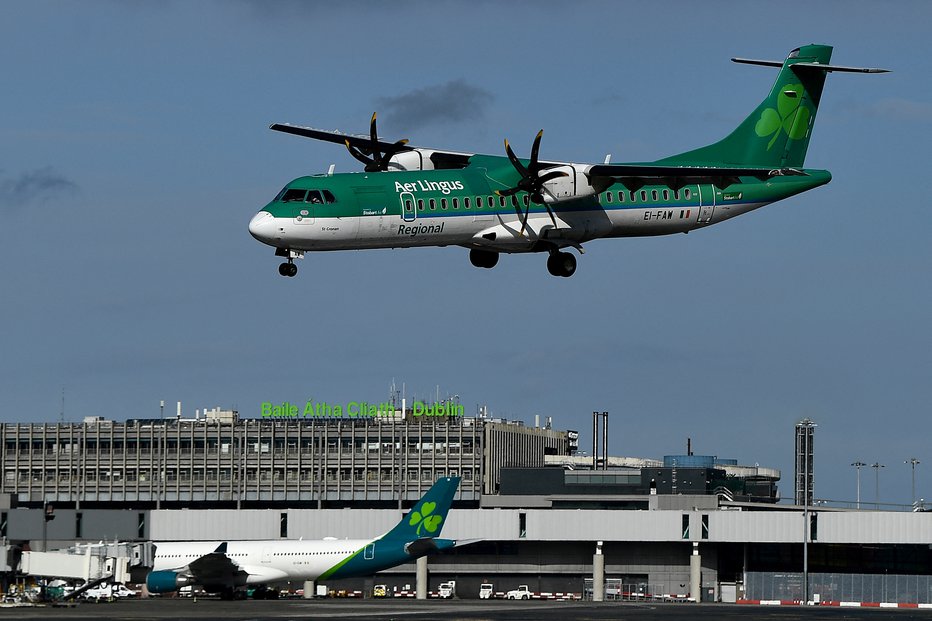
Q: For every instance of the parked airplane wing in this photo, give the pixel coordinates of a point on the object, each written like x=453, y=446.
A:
x=216, y=568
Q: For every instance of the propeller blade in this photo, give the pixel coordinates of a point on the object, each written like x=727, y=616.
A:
x=356, y=153
x=373, y=134
x=550, y=213
x=527, y=212
x=535, y=151
x=515, y=161
x=507, y=192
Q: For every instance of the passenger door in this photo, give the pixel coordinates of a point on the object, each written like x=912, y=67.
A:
x=706, y=203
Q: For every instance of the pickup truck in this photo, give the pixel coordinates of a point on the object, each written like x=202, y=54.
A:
x=447, y=590
x=521, y=592
x=486, y=591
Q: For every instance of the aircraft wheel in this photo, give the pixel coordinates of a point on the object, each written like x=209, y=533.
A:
x=483, y=258
x=288, y=269
x=561, y=264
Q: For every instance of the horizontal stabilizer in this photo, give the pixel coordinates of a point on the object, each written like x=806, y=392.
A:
x=763, y=63
x=778, y=63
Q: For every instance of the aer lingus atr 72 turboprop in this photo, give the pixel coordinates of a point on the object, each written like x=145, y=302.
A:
x=224, y=566
x=410, y=196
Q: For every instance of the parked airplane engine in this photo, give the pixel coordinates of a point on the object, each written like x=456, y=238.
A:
x=166, y=581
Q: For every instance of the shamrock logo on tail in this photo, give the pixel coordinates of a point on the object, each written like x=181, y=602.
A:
x=789, y=116
x=423, y=518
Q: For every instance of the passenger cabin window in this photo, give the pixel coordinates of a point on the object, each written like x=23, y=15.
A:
x=433, y=204
x=608, y=195
x=293, y=195
x=687, y=193
x=501, y=201
x=465, y=203
x=666, y=195
x=408, y=206
x=621, y=196
x=456, y=203
x=527, y=200
x=443, y=204
x=314, y=197
x=643, y=196
x=492, y=204
x=329, y=197
x=478, y=202
x=653, y=195
x=420, y=204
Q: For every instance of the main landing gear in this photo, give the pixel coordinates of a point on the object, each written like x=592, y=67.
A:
x=558, y=263
x=483, y=258
x=561, y=264
x=288, y=269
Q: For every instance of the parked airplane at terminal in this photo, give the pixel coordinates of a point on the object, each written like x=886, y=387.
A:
x=410, y=196
x=222, y=567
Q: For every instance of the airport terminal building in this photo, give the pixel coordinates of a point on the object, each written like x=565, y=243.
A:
x=682, y=525
x=221, y=460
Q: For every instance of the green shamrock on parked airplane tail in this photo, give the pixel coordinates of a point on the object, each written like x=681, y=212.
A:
x=789, y=116
x=423, y=518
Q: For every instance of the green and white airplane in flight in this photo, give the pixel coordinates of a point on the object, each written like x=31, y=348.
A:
x=411, y=196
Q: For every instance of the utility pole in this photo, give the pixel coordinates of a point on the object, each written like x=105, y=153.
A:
x=859, y=464
x=912, y=461
x=877, y=466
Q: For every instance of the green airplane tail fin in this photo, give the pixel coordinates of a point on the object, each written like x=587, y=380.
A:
x=426, y=518
x=777, y=133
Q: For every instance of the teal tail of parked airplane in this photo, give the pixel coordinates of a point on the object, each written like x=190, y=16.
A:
x=426, y=518
x=414, y=536
x=225, y=567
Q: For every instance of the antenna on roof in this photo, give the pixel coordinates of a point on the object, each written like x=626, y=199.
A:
x=331, y=169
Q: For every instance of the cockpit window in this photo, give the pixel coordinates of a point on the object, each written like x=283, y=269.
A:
x=314, y=197
x=293, y=194
x=329, y=197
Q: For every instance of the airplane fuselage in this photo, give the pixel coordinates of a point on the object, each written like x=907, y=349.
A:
x=440, y=208
x=269, y=561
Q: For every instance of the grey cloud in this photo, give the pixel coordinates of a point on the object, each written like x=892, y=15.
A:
x=34, y=186
x=454, y=101
x=903, y=109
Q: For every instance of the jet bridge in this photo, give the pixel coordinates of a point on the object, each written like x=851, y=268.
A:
x=92, y=562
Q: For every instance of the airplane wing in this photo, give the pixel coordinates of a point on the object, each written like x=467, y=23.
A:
x=635, y=176
x=337, y=137
x=216, y=568
x=369, y=145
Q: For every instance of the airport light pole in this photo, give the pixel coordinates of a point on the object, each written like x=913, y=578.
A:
x=877, y=466
x=808, y=424
x=912, y=461
x=859, y=464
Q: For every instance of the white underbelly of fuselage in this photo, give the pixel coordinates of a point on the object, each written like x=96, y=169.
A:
x=576, y=226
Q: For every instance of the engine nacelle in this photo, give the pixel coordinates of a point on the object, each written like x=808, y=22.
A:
x=166, y=581
x=411, y=160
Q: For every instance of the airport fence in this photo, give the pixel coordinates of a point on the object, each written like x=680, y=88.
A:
x=831, y=587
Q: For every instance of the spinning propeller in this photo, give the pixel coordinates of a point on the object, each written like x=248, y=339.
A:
x=372, y=155
x=531, y=180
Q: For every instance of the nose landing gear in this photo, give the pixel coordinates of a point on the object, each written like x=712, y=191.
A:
x=288, y=268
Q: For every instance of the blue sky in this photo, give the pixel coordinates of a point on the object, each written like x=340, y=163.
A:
x=136, y=148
